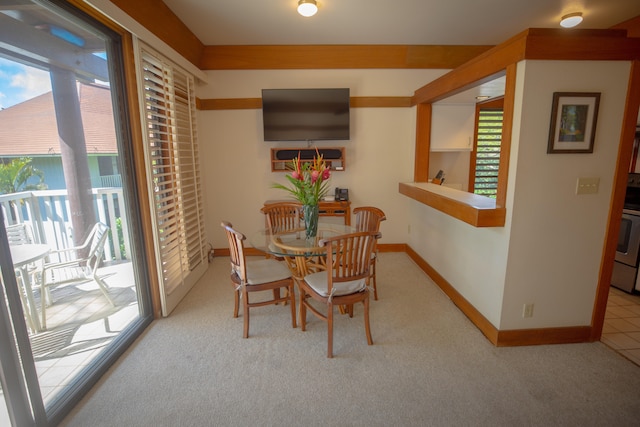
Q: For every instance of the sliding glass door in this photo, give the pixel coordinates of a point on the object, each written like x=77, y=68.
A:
x=74, y=287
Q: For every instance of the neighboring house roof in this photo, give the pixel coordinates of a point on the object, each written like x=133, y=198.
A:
x=30, y=129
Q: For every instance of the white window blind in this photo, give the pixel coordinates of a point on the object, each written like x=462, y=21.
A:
x=173, y=175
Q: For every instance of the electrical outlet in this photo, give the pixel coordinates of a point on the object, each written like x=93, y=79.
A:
x=527, y=310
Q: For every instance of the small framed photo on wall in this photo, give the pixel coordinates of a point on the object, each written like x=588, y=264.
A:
x=573, y=122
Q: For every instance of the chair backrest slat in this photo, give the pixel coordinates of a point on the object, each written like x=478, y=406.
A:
x=285, y=216
x=19, y=234
x=348, y=256
x=368, y=218
x=236, y=250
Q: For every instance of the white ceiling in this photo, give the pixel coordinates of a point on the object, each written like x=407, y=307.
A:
x=412, y=22
x=421, y=22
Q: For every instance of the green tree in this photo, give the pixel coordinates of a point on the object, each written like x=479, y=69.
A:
x=15, y=174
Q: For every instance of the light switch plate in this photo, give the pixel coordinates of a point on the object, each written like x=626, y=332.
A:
x=587, y=185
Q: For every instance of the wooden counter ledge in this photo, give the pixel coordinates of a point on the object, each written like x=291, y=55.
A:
x=479, y=211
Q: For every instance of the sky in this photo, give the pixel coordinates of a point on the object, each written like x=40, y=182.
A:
x=19, y=83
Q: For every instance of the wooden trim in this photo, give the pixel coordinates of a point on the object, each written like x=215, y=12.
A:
x=286, y=57
x=229, y=104
x=625, y=148
x=140, y=173
x=600, y=45
x=473, y=157
x=423, y=143
x=534, y=43
x=632, y=26
x=380, y=101
x=507, y=338
x=392, y=247
x=468, y=208
x=467, y=309
x=543, y=336
x=256, y=103
x=161, y=21
x=507, y=129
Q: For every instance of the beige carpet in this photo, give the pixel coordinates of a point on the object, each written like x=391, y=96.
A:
x=428, y=366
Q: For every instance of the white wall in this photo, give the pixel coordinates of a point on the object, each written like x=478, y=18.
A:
x=237, y=174
x=549, y=251
x=557, y=237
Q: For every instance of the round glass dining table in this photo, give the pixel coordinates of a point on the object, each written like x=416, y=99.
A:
x=303, y=256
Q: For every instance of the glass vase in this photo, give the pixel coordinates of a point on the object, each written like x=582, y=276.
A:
x=310, y=214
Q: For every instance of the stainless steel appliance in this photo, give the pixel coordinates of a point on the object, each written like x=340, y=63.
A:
x=625, y=267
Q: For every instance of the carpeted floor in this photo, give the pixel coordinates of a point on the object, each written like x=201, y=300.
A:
x=428, y=366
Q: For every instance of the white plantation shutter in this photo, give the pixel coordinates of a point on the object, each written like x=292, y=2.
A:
x=488, y=140
x=173, y=176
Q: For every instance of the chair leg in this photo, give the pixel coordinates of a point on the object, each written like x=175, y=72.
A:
x=104, y=288
x=303, y=310
x=330, y=331
x=373, y=279
x=43, y=299
x=245, y=314
x=292, y=303
x=236, y=302
x=367, y=327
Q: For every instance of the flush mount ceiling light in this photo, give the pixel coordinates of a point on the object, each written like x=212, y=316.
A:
x=571, y=20
x=307, y=7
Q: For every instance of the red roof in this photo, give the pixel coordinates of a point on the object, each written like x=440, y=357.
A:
x=30, y=129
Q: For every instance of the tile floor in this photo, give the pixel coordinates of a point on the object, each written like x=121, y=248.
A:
x=621, y=329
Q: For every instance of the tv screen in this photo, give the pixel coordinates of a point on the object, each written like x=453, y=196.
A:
x=305, y=114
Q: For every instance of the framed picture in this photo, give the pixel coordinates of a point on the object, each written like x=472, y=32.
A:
x=573, y=122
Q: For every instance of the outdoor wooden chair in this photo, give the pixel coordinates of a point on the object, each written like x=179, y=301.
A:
x=344, y=282
x=368, y=218
x=256, y=276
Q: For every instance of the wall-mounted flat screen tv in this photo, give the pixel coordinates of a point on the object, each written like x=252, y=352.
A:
x=305, y=114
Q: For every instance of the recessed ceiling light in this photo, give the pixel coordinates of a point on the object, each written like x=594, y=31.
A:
x=482, y=97
x=571, y=20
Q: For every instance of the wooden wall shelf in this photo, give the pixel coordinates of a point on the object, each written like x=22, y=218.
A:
x=281, y=157
x=335, y=208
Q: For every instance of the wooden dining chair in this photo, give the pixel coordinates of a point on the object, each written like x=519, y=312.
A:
x=283, y=216
x=344, y=282
x=256, y=276
x=368, y=218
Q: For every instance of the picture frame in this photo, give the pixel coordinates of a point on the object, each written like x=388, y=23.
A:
x=573, y=122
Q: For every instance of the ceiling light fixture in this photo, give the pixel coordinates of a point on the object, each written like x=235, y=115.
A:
x=571, y=20
x=307, y=7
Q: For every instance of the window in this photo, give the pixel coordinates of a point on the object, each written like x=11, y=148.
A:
x=63, y=78
x=173, y=176
x=485, y=160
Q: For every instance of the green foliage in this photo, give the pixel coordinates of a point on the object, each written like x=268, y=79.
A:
x=15, y=174
x=123, y=253
x=309, y=180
